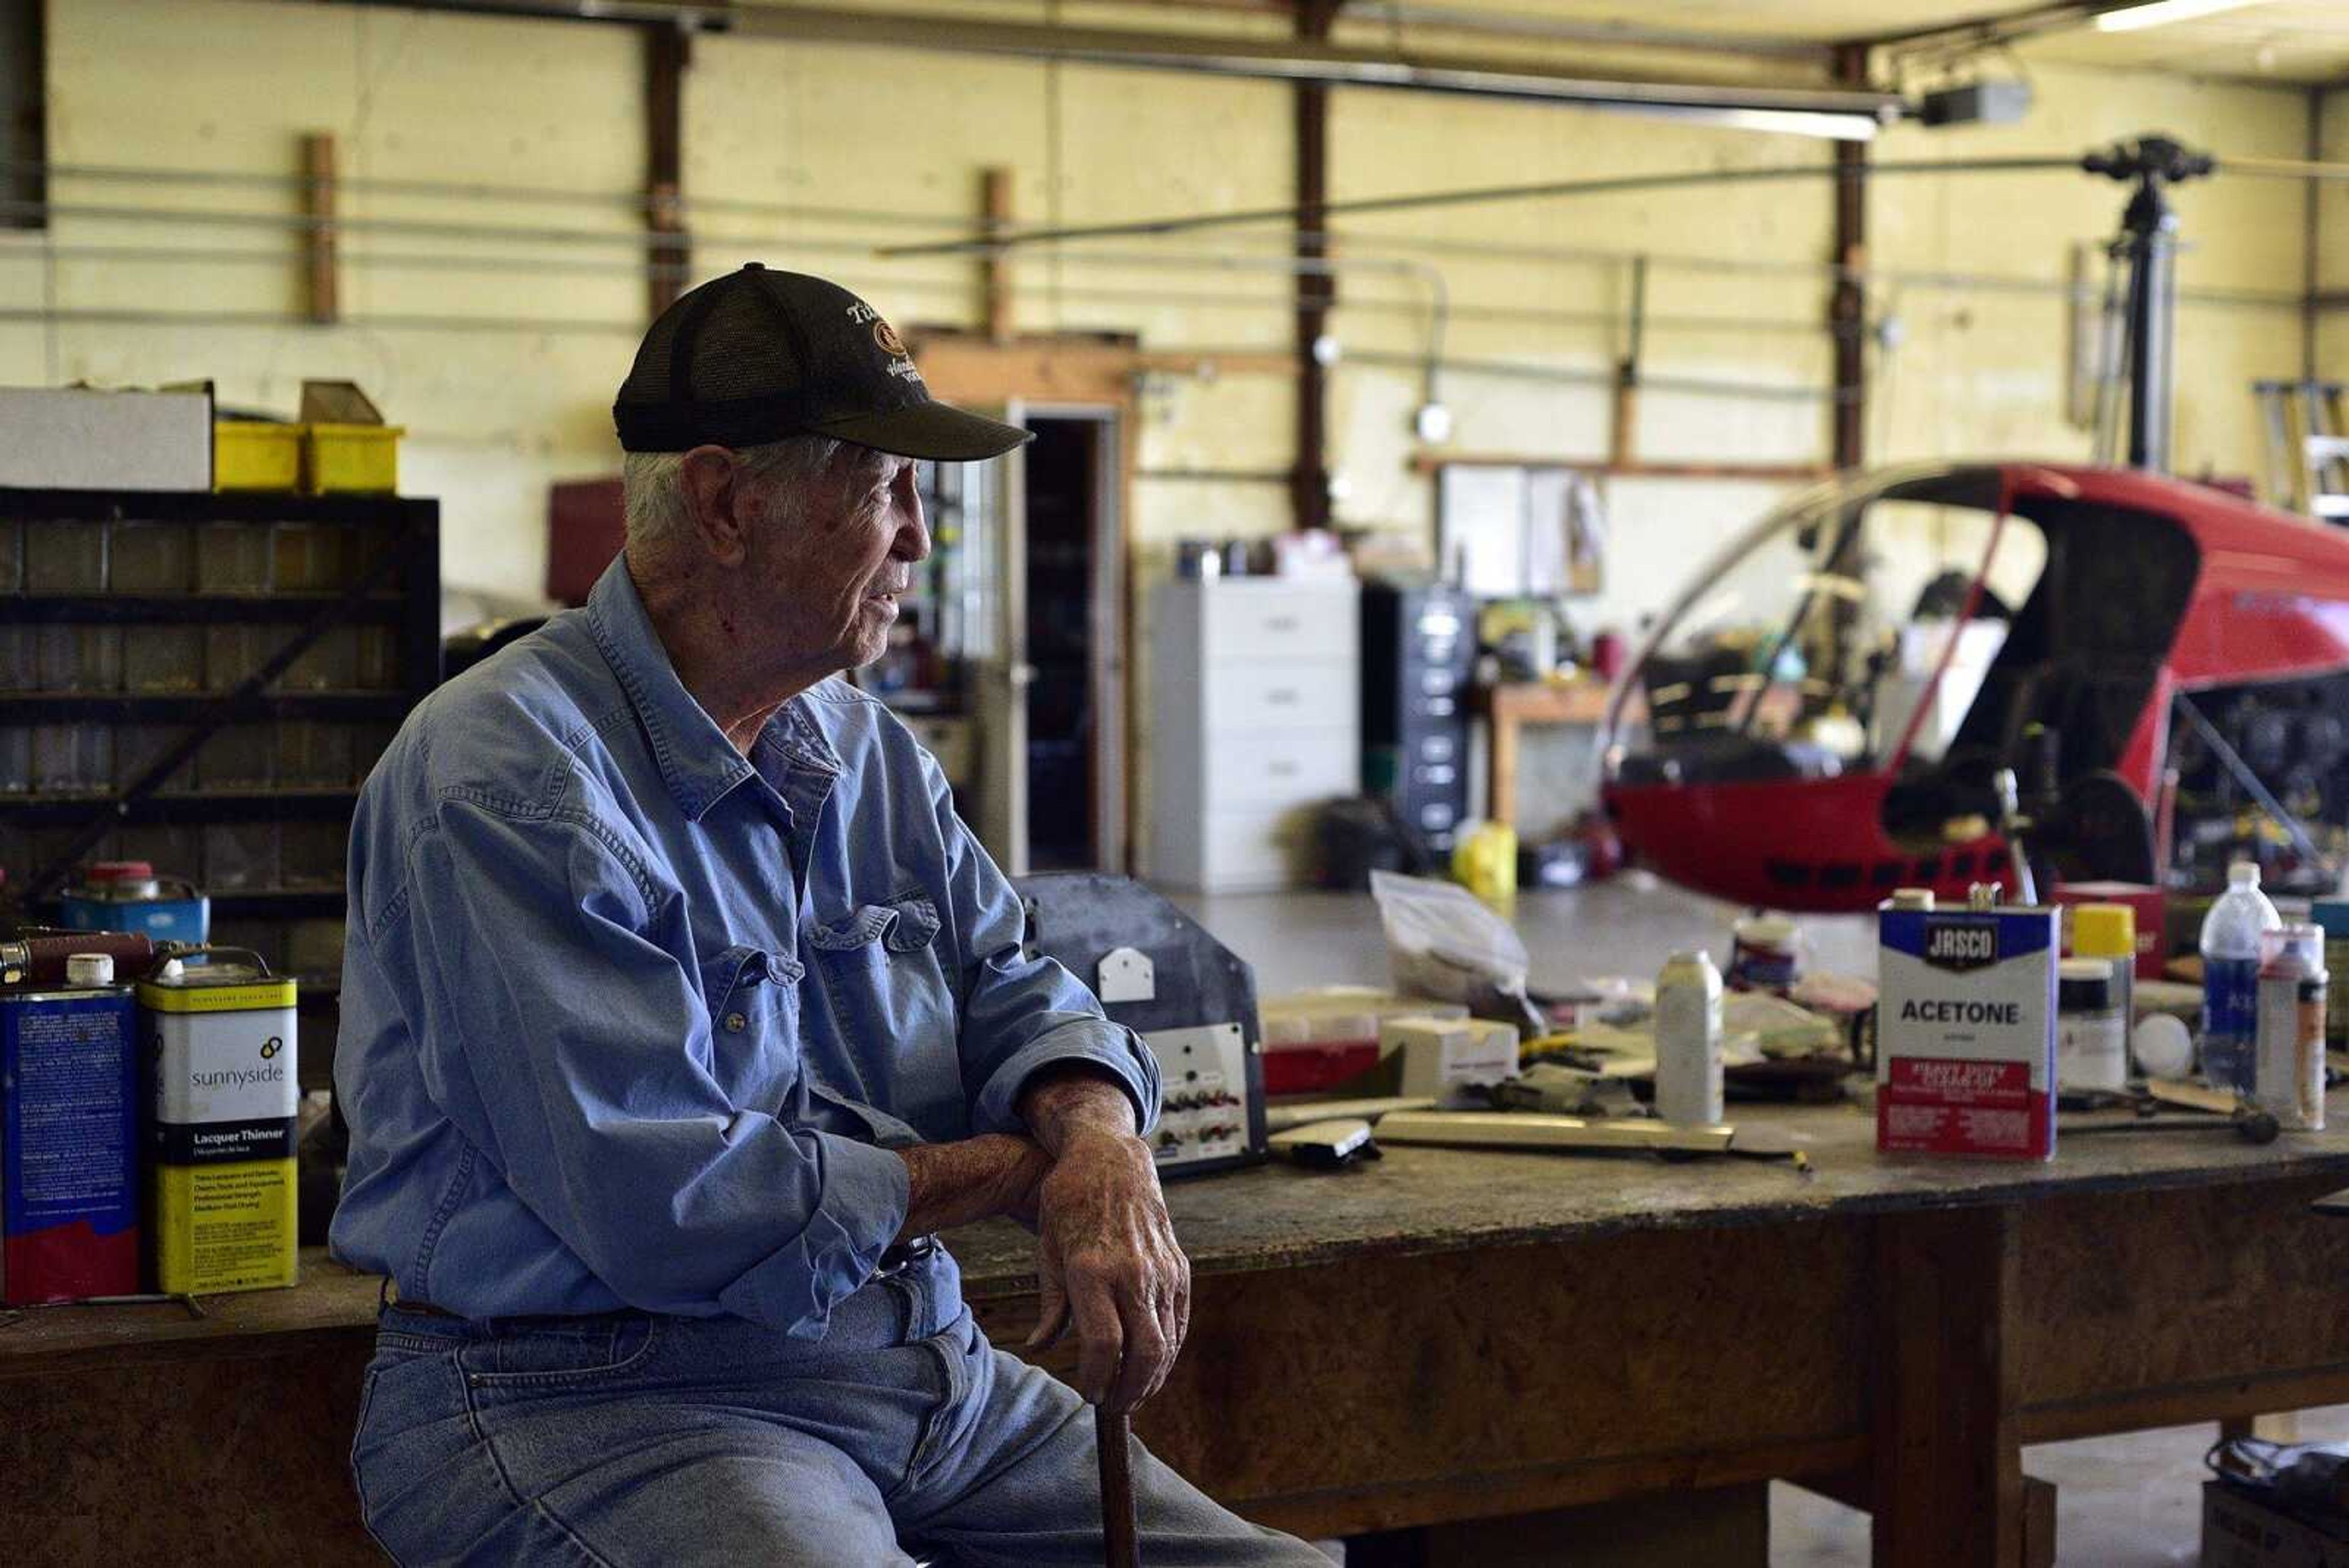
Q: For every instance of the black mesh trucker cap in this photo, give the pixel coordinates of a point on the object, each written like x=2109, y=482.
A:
x=758, y=355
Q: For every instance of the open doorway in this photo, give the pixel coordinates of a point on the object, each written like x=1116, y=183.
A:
x=1074, y=580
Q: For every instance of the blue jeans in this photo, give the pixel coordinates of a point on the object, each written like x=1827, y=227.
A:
x=635, y=1438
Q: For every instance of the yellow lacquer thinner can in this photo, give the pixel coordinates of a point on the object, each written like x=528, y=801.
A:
x=221, y=1050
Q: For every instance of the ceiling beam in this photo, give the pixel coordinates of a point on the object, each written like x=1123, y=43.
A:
x=1796, y=106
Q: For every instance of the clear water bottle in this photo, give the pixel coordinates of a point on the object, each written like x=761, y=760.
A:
x=2230, y=978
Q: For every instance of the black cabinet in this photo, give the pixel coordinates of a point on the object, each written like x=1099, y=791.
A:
x=1419, y=657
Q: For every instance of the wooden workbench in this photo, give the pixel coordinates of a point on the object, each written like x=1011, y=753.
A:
x=1443, y=1335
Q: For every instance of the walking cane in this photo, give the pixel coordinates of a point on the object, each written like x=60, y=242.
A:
x=1119, y=1549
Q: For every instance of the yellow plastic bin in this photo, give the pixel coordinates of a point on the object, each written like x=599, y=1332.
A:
x=251, y=454
x=351, y=459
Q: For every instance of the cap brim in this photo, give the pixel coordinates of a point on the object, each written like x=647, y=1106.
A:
x=936, y=431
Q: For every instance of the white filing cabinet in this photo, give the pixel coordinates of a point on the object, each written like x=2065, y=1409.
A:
x=1256, y=714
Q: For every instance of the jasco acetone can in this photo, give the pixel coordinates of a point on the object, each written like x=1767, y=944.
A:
x=2288, y=1054
x=221, y=1037
x=1687, y=1040
x=1965, y=1058
x=69, y=1138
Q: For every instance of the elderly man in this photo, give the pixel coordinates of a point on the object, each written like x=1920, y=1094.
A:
x=679, y=1009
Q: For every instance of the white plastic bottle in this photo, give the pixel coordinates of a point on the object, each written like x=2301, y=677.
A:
x=2230, y=978
x=1687, y=1040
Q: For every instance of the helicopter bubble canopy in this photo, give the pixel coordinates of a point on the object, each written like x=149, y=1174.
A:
x=1851, y=629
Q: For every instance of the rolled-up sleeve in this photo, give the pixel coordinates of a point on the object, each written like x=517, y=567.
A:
x=1022, y=1015
x=566, y=1036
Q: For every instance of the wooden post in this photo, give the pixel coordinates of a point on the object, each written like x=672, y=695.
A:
x=25, y=116
x=1945, y=1450
x=997, y=194
x=322, y=300
x=1847, y=312
x=1316, y=291
x=2312, y=315
x=668, y=50
x=1623, y=436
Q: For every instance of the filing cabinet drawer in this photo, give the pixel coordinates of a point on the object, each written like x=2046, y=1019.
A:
x=1295, y=767
x=1252, y=847
x=1279, y=620
x=1269, y=694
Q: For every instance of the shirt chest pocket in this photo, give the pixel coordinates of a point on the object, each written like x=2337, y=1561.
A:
x=884, y=977
x=752, y=998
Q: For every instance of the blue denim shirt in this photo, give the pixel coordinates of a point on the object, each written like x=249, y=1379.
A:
x=628, y=1019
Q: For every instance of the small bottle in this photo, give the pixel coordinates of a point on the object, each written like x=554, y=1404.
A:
x=2230, y=978
x=1764, y=954
x=2333, y=915
x=2289, y=1078
x=1687, y=1040
x=2091, y=1038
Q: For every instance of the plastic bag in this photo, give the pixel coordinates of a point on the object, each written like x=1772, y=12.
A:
x=1442, y=943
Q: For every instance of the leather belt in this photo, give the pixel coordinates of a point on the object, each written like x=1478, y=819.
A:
x=896, y=1260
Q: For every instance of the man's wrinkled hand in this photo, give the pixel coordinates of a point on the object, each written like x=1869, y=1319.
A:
x=1109, y=1266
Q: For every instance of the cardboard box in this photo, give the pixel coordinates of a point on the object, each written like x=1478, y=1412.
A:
x=75, y=438
x=1442, y=1057
x=2241, y=1531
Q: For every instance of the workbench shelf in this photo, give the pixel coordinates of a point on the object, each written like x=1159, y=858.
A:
x=131, y=619
x=150, y=706
x=191, y=608
x=52, y=810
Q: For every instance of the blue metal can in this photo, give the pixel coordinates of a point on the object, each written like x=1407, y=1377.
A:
x=127, y=896
x=69, y=1148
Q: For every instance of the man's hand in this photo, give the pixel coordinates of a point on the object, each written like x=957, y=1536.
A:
x=1106, y=1254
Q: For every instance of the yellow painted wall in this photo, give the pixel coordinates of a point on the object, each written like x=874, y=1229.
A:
x=496, y=409
x=504, y=376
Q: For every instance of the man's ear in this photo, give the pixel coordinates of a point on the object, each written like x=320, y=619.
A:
x=718, y=503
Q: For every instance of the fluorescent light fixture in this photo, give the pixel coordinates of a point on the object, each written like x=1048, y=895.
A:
x=2159, y=13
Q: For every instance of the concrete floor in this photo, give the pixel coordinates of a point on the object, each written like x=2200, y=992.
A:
x=2124, y=1502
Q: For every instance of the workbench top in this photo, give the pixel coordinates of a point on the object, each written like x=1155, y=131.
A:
x=1415, y=1201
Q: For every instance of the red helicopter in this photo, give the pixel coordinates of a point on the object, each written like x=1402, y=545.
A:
x=2006, y=671
x=2155, y=659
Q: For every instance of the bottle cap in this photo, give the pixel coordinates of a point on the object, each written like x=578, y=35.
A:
x=2243, y=873
x=2302, y=943
x=1912, y=898
x=89, y=968
x=1766, y=930
x=2104, y=931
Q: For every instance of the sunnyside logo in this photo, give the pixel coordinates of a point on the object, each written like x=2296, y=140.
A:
x=1960, y=945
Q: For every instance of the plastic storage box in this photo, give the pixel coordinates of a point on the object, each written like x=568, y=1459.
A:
x=249, y=454
x=339, y=459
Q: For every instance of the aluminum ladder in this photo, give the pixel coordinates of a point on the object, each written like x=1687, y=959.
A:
x=2307, y=447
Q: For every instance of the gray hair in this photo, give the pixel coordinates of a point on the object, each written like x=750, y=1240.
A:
x=653, y=490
